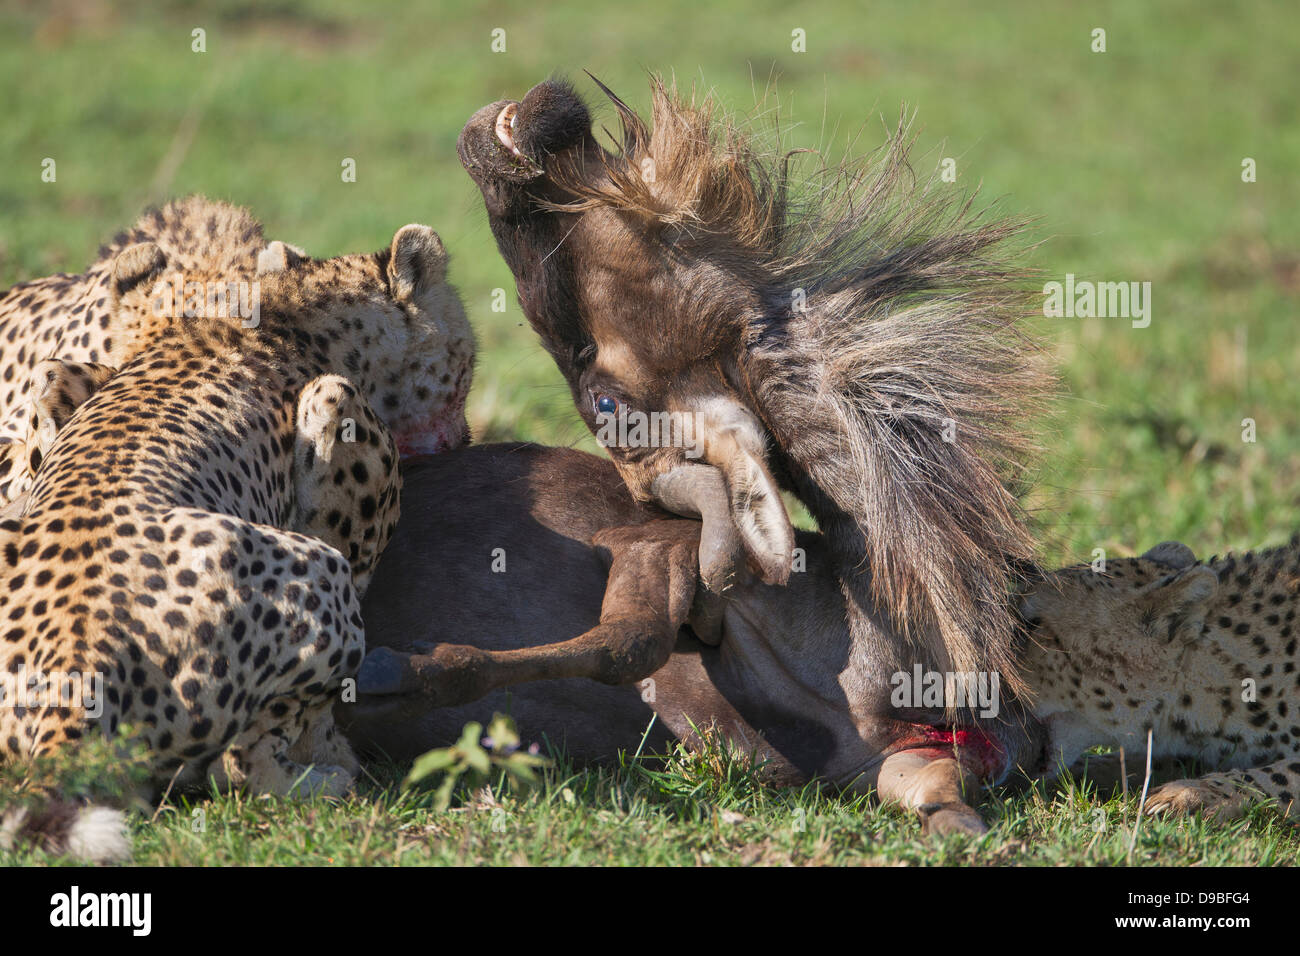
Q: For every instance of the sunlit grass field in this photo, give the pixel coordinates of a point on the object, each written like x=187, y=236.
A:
x=1131, y=160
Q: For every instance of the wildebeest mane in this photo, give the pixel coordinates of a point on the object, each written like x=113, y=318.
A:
x=889, y=357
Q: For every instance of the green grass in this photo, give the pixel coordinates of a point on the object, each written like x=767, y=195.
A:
x=1131, y=160
x=684, y=808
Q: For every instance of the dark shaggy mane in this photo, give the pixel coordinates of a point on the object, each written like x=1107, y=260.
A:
x=892, y=320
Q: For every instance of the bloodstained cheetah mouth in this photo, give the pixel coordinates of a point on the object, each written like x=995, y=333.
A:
x=445, y=430
x=433, y=437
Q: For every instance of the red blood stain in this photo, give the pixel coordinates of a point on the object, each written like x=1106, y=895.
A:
x=979, y=753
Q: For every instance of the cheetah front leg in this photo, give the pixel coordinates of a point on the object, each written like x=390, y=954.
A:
x=346, y=481
x=347, y=490
x=293, y=634
x=1228, y=795
x=275, y=755
x=324, y=747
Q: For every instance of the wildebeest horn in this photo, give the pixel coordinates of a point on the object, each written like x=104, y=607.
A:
x=698, y=491
x=737, y=499
x=734, y=443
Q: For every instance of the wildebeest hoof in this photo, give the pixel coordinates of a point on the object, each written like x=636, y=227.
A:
x=941, y=819
x=382, y=672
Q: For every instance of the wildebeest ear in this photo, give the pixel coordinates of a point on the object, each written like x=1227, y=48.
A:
x=135, y=265
x=697, y=490
x=417, y=261
x=734, y=444
x=277, y=257
x=760, y=517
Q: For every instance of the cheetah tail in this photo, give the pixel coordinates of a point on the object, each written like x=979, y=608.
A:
x=94, y=834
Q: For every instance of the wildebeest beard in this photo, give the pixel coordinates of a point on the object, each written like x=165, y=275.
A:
x=851, y=335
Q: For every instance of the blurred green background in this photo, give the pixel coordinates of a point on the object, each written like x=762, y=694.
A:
x=1130, y=158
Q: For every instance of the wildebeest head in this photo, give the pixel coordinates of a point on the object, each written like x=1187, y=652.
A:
x=852, y=340
x=601, y=280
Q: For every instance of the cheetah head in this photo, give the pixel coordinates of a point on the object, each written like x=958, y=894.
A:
x=1104, y=646
x=389, y=321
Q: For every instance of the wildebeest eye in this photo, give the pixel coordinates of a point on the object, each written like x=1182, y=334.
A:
x=605, y=404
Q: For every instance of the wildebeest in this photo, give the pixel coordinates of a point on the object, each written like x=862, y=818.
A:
x=853, y=340
x=774, y=668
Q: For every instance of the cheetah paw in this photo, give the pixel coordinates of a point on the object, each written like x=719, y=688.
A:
x=324, y=781
x=1180, y=797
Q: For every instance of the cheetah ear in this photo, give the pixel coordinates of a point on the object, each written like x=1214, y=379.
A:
x=1180, y=601
x=56, y=389
x=417, y=260
x=278, y=257
x=1029, y=604
x=1173, y=554
x=133, y=325
x=134, y=266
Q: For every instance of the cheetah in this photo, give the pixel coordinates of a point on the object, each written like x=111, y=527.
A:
x=67, y=316
x=1202, y=653
x=199, y=530
x=98, y=833
x=207, y=245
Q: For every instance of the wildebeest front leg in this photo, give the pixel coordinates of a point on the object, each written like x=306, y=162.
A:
x=935, y=789
x=651, y=587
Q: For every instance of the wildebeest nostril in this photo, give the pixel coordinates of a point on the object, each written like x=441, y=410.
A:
x=551, y=118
